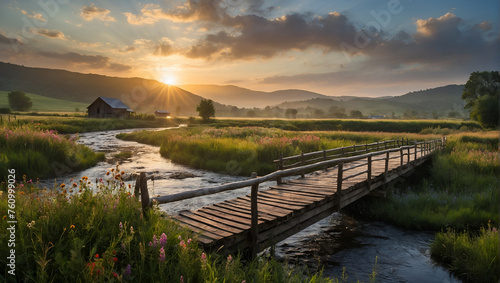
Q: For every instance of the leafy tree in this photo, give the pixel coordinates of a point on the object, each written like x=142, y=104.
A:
x=291, y=113
x=206, y=109
x=19, y=101
x=481, y=94
x=356, y=114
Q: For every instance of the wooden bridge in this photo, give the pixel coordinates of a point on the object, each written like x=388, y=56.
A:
x=264, y=217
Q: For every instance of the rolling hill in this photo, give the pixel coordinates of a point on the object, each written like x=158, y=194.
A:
x=142, y=95
x=440, y=100
x=243, y=97
x=46, y=104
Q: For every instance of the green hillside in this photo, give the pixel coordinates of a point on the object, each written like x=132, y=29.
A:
x=46, y=104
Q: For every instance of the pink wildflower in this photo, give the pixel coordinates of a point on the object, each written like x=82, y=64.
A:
x=163, y=239
x=162, y=255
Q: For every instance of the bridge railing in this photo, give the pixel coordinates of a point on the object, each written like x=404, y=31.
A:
x=415, y=149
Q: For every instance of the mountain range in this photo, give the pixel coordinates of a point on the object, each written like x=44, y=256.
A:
x=146, y=95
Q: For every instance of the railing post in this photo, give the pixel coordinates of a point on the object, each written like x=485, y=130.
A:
x=255, y=218
x=280, y=167
x=143, y=183
x=386, y=165
x=324, y=157
x=369, y=173
x=340, y=176
x=408, y=156
x=415, y=148
x=401, y=159
x=302, y=161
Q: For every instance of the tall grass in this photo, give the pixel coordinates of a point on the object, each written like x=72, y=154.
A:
x=460, y=193
x=240, y=151
x=472, y=256
x=42, y=153
x=96, y=232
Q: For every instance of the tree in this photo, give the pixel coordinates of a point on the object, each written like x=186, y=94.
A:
x=291, y=113
x=206, y=109
x=356, y=114
x=19, y=101
x=481, y=94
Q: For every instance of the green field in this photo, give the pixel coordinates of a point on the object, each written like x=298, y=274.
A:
x=46, y=104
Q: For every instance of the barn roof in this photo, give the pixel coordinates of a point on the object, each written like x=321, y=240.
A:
x=114, y=103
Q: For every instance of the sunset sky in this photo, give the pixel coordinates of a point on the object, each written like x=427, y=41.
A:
x=348, y=47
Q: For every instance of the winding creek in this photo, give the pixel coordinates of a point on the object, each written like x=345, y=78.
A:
x=337, y=241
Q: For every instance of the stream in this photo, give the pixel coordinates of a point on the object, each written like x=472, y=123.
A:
x=335, y=242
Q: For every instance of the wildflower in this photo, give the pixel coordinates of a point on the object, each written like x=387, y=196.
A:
x=72, y=226
x=163, y=239
x=115, y=275
x=182, y=279
x=114, y=252
x=123, y=172
x=96, y=255
x=180, y=238
x=189, y=241
x=107, y=173
x=115, y=259
x=75, y=185
x=131, y=228
x=203, y=258
x=121, y=226
x=162, y=255
x=128, y=270
x=31, y=224
x=494, y=230
x=182, y=244
x=229, y=258
x=63, y=185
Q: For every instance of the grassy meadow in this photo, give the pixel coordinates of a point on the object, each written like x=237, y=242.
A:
x=42, y=153
x=46, y=104
x=459, y=192
x=96, y=232
x=243, y=150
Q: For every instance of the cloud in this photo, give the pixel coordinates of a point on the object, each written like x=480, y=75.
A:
x=256, y=36
x=90, y=61
x=92, y=12
x=50, y=33
x=447, y=40
x=34, y=15
x=8, y=40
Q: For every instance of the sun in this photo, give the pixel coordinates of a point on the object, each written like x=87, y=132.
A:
x=168, y=79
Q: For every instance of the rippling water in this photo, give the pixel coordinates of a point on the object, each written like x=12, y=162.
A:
x=335, y=242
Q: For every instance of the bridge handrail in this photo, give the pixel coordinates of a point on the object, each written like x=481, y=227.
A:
x=284, y=173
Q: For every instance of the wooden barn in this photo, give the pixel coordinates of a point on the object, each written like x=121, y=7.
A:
x=162, y=114
x=106, y=107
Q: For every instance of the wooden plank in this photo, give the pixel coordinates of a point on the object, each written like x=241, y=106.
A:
x=288, y=200
x=229, y=215
x=224, y=219
x=278, y=203
x=204, y=227
x=291, y=196
x=208, y=221
x=262, y=215
x=269, y=209
x=197, y=230
x=311, y=191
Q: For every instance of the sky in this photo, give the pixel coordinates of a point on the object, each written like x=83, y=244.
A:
x=334, y=47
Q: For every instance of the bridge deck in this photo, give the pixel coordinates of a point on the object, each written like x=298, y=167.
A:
x=285, y=209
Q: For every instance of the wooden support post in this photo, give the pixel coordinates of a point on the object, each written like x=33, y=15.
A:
x=366, y=148
x=144, y=191
x=324, y=157
x=340, y=176
x=369, y=173
x=137, y=189
x=415, y=148
x=302, y=162
x=280, y=167
x=401, y=157
x=408, y=159
x=377, y=147
x=386, y=165
x=255, y=219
